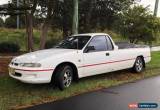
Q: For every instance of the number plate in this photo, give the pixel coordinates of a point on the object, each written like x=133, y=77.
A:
x=12, y=71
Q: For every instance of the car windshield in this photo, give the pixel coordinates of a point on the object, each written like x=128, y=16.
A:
x=73, y=42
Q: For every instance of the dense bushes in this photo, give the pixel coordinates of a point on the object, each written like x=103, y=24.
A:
x=51, y=43
x=19, y=36
x=138, y=25
x=10, y=22
x=9, y=47
x=1, y=22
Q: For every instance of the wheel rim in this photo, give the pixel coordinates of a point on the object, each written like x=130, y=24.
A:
x=67, y=79
x=139, y=65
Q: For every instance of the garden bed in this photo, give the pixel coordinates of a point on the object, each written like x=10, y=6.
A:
x=4, y=62
x=5, y=59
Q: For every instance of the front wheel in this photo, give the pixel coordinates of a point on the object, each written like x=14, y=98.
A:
x=64, y=77
x=139, y=65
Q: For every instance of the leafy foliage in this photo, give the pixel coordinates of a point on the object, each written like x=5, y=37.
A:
x=51, y=43
x=137, y=24
x=101, y=13
x=10, y=22
x=133, y=22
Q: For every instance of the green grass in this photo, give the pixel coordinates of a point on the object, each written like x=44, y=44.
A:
x=14, y=94
x=155, y=62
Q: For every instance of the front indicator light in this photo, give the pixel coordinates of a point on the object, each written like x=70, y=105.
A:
x=30, y=64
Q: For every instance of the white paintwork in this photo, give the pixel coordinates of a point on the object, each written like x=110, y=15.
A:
x=87, y=64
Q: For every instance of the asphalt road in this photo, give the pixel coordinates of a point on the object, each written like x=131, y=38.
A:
x=114, y=98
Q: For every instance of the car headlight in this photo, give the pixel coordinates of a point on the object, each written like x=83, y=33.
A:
x=30, y=64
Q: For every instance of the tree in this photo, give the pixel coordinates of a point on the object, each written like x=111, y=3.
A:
x=137, y=24
x=63, y=14
x=92, y=14
x=51, y=13
x=49, y=4
x=59, y=13
x=29, y=22
x=100, y=13
x=10, y=22
x=28, y=8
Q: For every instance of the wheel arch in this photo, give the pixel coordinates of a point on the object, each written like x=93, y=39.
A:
x=73, y=66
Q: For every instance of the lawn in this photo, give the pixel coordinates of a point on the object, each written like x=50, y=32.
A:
x=14, y=94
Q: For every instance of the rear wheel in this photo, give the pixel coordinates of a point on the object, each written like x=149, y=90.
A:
x=64, y=76
x=139, y=65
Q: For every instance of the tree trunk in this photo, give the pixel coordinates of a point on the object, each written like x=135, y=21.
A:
x=46, y=23
x=27, y=28
x=87, y=27
x=43, y=37
x=29, y=24
x=65, y=26
x=29, y=31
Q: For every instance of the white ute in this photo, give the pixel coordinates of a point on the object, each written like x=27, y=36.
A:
x=78, y=56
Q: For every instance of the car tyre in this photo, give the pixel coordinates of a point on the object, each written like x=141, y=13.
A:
x=138, y=65
x=64, y=77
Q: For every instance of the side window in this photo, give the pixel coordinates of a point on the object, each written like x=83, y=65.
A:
x=99, y=43
x=109, y=43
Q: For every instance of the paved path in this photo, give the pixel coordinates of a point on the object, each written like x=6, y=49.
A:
x=114, y=98
x=155, y=48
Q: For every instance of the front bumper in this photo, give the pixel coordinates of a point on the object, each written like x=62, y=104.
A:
x=38, y=76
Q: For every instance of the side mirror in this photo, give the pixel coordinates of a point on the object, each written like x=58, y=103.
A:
x=115, y=47
x=89, y=48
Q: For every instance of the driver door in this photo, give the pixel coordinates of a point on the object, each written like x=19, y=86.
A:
x=95, y=57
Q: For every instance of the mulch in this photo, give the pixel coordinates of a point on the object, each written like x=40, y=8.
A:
x=5, y=59
x=4, y=62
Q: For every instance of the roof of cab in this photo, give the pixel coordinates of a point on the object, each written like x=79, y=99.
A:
x=90, y=34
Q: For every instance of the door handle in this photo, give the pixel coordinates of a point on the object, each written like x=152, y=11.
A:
x=107, y=54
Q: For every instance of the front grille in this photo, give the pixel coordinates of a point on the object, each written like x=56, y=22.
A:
x=15, y=64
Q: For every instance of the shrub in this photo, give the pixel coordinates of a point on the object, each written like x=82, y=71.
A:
x=51, y=43
x=1, y=22
x=10, y=22
x=138, y=25
x=9, y=47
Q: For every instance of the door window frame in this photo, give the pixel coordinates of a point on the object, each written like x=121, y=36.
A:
x=91, y=41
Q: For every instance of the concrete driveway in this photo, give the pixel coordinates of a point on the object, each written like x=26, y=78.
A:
x=114, y=98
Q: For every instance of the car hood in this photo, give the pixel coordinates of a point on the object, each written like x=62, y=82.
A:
x=37, y=56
